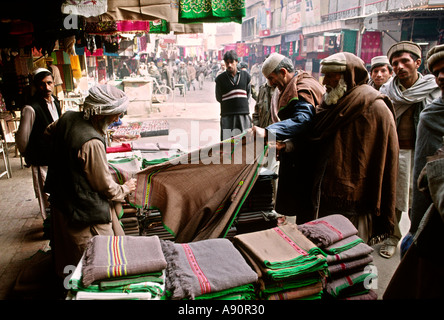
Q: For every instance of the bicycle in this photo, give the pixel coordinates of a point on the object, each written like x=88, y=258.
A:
x=161, y=92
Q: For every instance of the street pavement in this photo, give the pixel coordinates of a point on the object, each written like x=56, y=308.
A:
x=22, y=238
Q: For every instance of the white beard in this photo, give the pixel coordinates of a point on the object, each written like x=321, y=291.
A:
x=335, y=94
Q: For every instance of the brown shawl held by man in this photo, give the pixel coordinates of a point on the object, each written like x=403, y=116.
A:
x=357, y=152
x=304, y=86
x=200, y=193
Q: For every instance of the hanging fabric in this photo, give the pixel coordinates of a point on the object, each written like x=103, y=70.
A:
x=192, y=11
x=86, y=8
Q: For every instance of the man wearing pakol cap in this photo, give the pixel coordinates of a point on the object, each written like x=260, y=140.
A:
x=410, y=92
x=298, y=96
x=420, y=274
x=380, y=71
x=85, y=200
x=233, y=91
x=43, y=110
x=354, y=150
x=429, y=138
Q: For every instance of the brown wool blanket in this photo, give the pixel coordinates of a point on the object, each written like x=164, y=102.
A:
x=200, y=193
x=108, y=257
x=280, y=253
x=297, y=293
x=353, y=284
x=360, y=250
x=343, y=245
x=204, y=268
x=327, y=230
x=344, y=267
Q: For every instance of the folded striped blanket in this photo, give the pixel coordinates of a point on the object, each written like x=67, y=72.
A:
x=206, y=269
x=348, y=267
x=281, y=252
x=355, y=284
x=152, y=286
x=343, y=245
x=108, y=257
x=297, y=293
x=328, y=230
x=360, y=250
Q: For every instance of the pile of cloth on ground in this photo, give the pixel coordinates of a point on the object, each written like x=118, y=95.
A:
x=349, y=259
x=120, y=268
x=288, y=264
x=207, y=269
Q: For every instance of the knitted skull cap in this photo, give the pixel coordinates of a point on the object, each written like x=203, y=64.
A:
x=404, y=46
x=434, y=55
x=379, y=60
x=271, y=63
x=334, y=63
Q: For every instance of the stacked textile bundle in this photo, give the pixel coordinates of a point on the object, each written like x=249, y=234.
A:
x=114, y=268
x=289, y=265
x=152, y=225
x=135, y=130
x=130, y=221
x=349, y=259
x=257, y=211
x=207, y=269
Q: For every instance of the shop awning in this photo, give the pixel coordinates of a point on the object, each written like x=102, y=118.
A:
x=272, y=41
x=324, y=27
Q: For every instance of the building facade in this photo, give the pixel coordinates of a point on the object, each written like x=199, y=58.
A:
x=310, y=30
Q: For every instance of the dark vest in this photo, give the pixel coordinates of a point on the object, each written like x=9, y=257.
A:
x=234, y=94
x=39, y=148
x=66, y=181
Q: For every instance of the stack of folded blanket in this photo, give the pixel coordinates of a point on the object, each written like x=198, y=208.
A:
x=135, y=130
x=349, y=259
x=120, y=268
x=288, y=264
x=257, y=211
x=130, y=221
x=207, y=269
x=151, y=225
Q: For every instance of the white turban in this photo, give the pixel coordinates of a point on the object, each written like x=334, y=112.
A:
x=105, y=99
x=271, y=63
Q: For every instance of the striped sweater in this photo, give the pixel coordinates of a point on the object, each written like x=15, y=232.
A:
x=233, y=93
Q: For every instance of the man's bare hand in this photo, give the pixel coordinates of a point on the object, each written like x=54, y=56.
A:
x=131, y=184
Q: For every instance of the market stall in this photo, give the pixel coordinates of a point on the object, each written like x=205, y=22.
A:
x=217, y=238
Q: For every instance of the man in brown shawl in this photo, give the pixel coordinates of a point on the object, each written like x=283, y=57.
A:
x=299, y=95
x=354, y=150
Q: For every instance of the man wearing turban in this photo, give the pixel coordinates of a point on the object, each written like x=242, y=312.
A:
x=85, y=200
x=354, y=150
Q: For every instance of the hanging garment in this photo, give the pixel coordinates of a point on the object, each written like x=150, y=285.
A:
x=191, y=11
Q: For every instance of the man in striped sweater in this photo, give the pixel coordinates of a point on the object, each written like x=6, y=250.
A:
x=233, y=91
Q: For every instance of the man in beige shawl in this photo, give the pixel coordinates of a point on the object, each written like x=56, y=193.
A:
x=299, y=95
x=409, y=92
x=83, y=195
x=354, y=153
